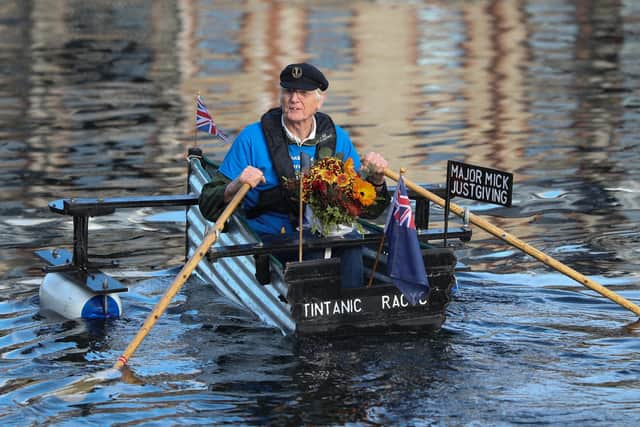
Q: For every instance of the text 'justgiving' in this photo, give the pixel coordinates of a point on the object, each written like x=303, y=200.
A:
x=479, y=183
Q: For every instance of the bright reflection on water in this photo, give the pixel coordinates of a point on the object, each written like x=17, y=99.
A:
x=97, y=99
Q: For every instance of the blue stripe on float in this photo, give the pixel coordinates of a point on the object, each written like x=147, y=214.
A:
x=94, y=309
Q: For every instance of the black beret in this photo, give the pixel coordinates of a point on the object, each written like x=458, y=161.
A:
x=303, y=76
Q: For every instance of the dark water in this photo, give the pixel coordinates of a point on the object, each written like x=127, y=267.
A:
x=96, y=99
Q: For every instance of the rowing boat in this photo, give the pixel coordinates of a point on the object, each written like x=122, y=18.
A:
x=298, y=298
x=306, y=297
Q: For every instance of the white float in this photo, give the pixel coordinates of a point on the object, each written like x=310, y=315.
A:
x=60, y=295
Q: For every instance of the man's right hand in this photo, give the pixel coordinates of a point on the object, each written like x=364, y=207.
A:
x=250, y=175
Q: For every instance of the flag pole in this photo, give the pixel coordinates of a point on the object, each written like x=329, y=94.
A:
x=195, y=128
x=375, y=262
x=300, y=215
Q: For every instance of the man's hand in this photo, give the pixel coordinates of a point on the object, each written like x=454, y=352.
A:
x=374, y=165
x=250, y=175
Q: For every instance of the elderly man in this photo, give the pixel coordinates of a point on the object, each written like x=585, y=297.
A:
x=266, y=151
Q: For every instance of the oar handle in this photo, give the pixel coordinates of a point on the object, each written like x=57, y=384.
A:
x=526, y=248
x=182, y=277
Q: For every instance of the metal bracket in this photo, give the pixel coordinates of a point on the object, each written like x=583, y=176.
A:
x=61, y=261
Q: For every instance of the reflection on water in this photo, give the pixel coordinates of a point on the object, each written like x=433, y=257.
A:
x=97, y=99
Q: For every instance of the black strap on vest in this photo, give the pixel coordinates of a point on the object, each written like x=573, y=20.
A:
x=279, y=199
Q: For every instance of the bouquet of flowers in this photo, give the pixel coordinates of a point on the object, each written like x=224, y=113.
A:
x=336, y=193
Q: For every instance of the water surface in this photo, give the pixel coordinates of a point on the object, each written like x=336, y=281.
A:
x=97, y=100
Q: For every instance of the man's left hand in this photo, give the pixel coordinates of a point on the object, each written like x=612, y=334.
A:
x=374, y=165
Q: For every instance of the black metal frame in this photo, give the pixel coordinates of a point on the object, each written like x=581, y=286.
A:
x=77, y=263
x=82, y=209
x=278, y=244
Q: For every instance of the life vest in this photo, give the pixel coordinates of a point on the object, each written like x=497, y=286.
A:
x=279, y=199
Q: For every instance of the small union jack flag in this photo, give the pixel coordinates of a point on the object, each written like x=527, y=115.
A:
x=404, y=261
x=204, y=121
x=402, y=211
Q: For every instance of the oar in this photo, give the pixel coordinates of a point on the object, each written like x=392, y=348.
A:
x=526, y=248
x=75, y=389
x=182, y=277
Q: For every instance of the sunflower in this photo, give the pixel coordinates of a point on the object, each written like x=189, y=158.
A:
x=343, y=180
x=328, y=176
x=364, y=192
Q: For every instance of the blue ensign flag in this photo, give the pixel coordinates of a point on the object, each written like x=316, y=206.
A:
x=404, y=262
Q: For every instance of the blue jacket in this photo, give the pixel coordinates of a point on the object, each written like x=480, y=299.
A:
x=250, y=149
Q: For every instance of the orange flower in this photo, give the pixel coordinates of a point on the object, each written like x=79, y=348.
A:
x=328, y=176
x=343, y=180
x=349, y=169
x=364, y=192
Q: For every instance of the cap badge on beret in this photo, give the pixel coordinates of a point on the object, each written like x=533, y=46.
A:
x=296, y=72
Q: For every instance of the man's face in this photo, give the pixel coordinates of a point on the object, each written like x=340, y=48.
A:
x=300, y=105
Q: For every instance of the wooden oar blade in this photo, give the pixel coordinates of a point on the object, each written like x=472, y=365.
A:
x=77, y=390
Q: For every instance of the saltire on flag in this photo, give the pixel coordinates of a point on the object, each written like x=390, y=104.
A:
x=204, y=121
x=404, y=262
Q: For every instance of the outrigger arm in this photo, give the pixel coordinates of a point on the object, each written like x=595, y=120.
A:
x=72, y=281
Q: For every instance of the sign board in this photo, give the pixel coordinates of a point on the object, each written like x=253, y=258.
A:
x=478, y=183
